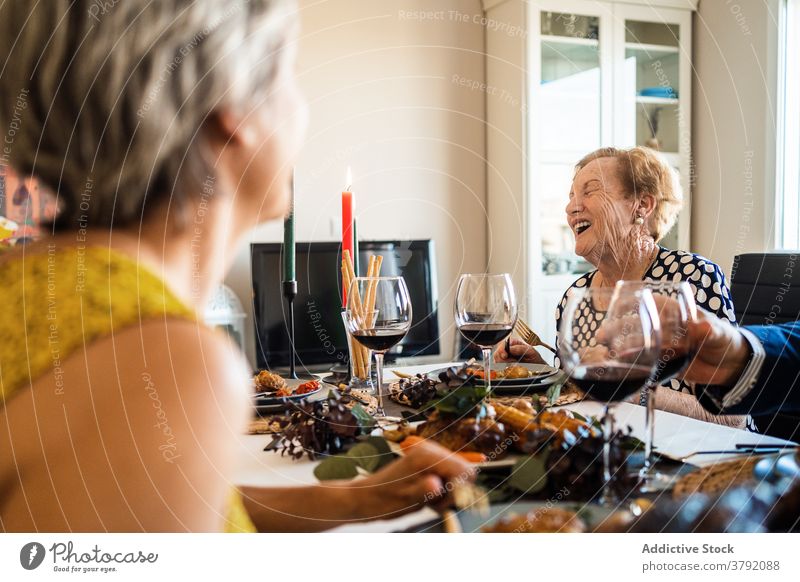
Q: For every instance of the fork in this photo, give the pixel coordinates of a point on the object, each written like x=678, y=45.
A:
x=529, y=336
x=751, y=452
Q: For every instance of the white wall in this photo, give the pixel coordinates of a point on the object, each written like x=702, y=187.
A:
x=383, y=98
x=734, y=128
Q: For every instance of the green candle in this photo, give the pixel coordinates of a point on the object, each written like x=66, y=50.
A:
x=288, y=242
x=355, y=247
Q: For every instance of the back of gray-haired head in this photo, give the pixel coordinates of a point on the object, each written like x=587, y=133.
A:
x=105, y=101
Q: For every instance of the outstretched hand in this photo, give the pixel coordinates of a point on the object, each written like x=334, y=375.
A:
x=426, y=475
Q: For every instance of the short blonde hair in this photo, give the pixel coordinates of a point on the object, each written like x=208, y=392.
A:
x=644, y=172
x=109, y=99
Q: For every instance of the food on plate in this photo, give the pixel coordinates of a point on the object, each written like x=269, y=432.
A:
x=305, y=388
x=534, y=429
x=411, y=440
x=542, y=520
x=512, y=372
x=400, y=434
x=271, y=384
x=515, y=372
x=481, y=373
x=481, y=433
x=266, y=381
x=523, y=404
x=460, y=418
x=472, y=456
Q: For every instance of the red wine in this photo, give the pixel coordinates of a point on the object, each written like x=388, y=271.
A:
x=610, y=382
x=379, y=340
x=667, y=370
x=485, y=334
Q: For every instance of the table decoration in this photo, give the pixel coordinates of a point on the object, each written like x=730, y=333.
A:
x=348, y=208
x=418, y=390
x=360, y=356
x=539, y=451
x=321, y=427
x=381, y=320
x=283, y=470
x=290, y=281
x=372, y=453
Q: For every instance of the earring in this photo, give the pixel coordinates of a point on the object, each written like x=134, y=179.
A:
x=639, y=220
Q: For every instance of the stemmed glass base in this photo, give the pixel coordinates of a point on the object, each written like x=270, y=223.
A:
x=379, y=412
x=651, y=479
x=487, y=369
x=608, y=497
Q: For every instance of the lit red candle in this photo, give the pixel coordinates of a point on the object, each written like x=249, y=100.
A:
x=348, y=210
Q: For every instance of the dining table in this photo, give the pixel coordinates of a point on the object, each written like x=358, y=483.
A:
x=676, y=437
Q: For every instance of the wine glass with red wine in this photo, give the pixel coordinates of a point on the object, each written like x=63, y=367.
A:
x=676, y=310
x=608, y=344
x=378, y=316
x=486, y=311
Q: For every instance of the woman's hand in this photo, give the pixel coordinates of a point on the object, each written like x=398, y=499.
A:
x=425, y=475
x=520, y=352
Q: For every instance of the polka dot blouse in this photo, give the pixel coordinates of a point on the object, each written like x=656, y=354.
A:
x=704, y=277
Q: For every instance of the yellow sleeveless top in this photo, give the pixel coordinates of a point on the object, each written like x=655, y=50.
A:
x=56, y=301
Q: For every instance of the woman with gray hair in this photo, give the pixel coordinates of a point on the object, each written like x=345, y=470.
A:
x=165, y=130
x=621, y=204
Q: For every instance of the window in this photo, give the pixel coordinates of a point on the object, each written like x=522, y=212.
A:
x=787, y=187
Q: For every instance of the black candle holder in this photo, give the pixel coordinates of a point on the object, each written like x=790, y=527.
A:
x=289, y=293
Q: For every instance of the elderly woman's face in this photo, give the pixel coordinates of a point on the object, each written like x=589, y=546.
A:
x=598, y=212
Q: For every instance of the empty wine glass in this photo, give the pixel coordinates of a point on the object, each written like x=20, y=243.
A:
x=676, y=309
x=608, y=345
x=378, y=316
x=486, y=311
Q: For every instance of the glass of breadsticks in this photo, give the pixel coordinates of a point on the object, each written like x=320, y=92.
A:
x=360, y=356
x=378, y=316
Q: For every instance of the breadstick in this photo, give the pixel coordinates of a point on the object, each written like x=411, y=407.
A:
x=516, y=419
x=373, y=285
x=365, y=357
x=349, y=275
x=346, y=285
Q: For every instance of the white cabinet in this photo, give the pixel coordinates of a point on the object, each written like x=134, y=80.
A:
x=565, y=77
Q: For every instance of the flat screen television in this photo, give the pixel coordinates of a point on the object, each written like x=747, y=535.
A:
x=319, y=331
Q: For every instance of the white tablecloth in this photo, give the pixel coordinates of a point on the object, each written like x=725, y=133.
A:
x=675, y=435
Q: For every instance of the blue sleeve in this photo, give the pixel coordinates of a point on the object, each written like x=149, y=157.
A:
x=776, y=389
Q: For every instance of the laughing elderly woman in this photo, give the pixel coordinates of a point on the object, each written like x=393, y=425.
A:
x=166, y=129
x=622, y=202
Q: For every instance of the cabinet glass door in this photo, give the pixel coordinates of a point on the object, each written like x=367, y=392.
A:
x=569, y=124
x=570, y=82
x=651, y=85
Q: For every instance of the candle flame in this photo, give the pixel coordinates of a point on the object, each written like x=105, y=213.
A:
x=349, y=179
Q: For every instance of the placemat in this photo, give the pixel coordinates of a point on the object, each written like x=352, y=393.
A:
x=716, y=478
